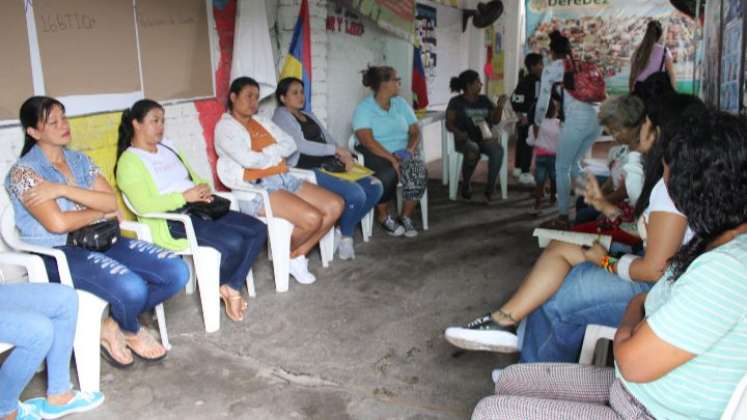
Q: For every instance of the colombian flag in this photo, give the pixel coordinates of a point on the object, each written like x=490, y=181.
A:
x=419, y=84
x=298, y=62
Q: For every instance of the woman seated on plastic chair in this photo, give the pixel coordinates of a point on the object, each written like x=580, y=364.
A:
x=155, y=178
x=571, y=286
x=680, y=348
x=389, y=138
x=465, y=114
x=316, y=150
x=39, y=321
x=254, y=151
x=55, y=191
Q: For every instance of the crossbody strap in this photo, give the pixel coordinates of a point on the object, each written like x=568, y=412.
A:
x=663, y=59
x=180, y=160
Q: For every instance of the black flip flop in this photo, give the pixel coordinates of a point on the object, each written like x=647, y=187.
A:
x=106, y=355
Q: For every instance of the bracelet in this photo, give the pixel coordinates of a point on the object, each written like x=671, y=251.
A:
x=608, y=263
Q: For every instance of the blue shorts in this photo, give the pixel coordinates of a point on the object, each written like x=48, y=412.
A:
x=544, y=167
x=272, y=183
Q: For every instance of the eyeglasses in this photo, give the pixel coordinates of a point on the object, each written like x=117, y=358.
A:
x=396, y=79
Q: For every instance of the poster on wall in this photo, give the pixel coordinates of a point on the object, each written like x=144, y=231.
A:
x=608, y=34
x=494, y=68
x=395, y=16
x=711, y=43
x=426, y=21
x=731, y=56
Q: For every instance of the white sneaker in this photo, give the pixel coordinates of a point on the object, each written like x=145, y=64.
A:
x=299, y=269
x=409, y=225
x=526, y=179
x=345, y=249
x=516, y=172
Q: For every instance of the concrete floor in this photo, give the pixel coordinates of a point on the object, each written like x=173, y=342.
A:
x=364, y=342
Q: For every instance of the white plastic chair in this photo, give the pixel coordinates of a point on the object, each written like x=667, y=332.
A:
x=736, y=409
x=90, y=307
x=279, y=230
x=367, y=222
x=204, y=267
x=456, y=160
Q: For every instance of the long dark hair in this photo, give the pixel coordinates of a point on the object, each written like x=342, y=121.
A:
x=35, y=110
x=664, y=114
x=641, y=56
x=283, y=87
x=707, y=159
x=465, y=78
x=138, y=111
x=237, y=85
x=559, y=44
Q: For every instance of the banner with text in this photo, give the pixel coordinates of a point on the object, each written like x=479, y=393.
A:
x=397, y=17
x=607, y=33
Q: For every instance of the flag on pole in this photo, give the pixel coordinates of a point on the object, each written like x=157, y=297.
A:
x=298, y=62
x=419, y=84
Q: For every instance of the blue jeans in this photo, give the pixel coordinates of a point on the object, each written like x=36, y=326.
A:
x=544, y=167
x=360, y=197
x=589, y=295
x=133, y=276
x=577, y=134
x=238, y=237
x=39, y=320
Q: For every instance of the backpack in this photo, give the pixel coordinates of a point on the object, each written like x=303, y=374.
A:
x=584, y=81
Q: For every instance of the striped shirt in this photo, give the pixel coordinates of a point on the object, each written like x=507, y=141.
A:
x=704, y=313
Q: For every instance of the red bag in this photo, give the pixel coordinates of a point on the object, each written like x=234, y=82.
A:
x=586, y=81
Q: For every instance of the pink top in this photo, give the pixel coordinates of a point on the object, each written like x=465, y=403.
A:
x=546, y=142
x=654, y=62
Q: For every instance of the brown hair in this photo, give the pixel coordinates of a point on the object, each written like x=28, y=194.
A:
x=374, y=76
x=640, y=58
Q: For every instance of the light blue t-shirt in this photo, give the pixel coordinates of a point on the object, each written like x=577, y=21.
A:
x=390, y=128
x=704, y=313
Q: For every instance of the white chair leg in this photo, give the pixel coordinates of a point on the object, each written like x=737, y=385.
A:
x=191, y=284
x=424, y=209
x=207, y=264
x=88, y=340
x=367, y=225
x=593, y=334
x=327, y=247
x=444, y=155
x=280, y=231
x=504, y=172
x=455, y=167
x=161, y=317
x=250, y=284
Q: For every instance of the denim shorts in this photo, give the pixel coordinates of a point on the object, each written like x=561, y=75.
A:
x=544, y=167
x=272, y=183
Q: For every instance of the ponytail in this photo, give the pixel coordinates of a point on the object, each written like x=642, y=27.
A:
x=465, y=78
x=642, y=54
x=126, y=130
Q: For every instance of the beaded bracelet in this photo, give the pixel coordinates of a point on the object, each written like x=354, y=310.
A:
x=608, y=263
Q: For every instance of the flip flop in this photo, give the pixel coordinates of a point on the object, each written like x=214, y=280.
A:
x=143, y=357
x=107, y=355
x=227, y=300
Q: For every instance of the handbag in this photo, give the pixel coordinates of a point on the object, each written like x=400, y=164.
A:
x=214, y=210
x=333, y=164
x=99, y=236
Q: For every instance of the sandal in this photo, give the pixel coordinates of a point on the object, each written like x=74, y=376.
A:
x=144, y=342
x=557, y=224
x=231, y=302
x=106, y=348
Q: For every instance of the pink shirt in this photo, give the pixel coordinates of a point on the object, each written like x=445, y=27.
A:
x=654, y=62
x=546, y=142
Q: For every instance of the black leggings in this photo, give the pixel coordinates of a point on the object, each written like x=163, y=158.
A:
x=414, y=176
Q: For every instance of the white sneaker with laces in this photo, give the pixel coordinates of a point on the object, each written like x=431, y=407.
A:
x=409, y=225
x=516, y=172
x=345, y=250
x=299, y=269
x=526, y=179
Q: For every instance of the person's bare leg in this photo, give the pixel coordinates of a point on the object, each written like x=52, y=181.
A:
x=382, y=211
x=408, y=207
x=303, y=216
x=328, y=203
x=541, y=283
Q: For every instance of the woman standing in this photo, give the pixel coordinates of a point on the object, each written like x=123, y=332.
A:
x=389, y=137
x=579, y=130
x=316, y=147
x=649, y=58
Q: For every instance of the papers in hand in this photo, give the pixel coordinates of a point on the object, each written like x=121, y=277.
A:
x=544, y=236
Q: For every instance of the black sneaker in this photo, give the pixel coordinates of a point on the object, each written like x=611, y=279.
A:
x=392, y=227
x=466, y=191
x=484, y=334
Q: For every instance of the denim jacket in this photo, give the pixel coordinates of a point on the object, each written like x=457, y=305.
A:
x=84, y=171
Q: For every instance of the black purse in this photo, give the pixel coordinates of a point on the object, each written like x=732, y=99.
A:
x=333, y=164
x=99, y=236
x=214, y=210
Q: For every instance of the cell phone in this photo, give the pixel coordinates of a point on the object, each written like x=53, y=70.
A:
x=403, y=154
